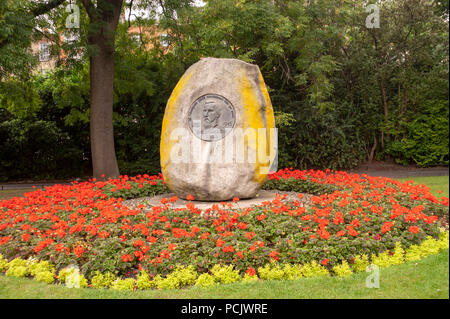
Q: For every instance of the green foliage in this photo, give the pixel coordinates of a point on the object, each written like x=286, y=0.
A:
x=313, y=269
x=360, y=263
x=342, y=270
x=136, y=190
x=205, y=280
x=389, y=258
x=15, y=39
x=225, y=274
x=143, y=280
x=102, y=280
x=124, y=284
x=45, y=276
x=37, y=149
x=426, y=139
x=336, y=87
x=3, y=263
x=72, y=277
x=17, y=268
x=41, y=266
x=292, y=272
x=179, y=277
x=271, y=272
x=17, y=271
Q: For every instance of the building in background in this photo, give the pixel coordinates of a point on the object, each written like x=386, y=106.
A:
x=145, y=36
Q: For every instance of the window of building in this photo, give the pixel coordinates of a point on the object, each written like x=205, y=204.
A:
x=136, y=37
x=44, y=52
x=164, y=40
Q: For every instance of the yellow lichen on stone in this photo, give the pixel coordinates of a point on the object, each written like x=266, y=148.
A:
x=166, y=143
x=270, y=119
x=257, y=116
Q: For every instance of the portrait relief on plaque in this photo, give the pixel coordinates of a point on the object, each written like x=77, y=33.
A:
x=211, y=117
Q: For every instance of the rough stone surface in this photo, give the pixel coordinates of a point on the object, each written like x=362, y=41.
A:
x=213, y=100
x=261, y=196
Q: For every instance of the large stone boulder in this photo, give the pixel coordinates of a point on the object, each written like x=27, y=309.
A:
x=218, y=138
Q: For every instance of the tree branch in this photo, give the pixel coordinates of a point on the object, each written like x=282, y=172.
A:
x=90, y=8
x=43, y=8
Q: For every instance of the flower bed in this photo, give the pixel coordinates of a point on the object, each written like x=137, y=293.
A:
x=354, y=220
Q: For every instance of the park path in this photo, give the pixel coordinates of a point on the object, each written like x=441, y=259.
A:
x=391, y=173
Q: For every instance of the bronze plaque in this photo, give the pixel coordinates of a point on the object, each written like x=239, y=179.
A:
x=211, y=117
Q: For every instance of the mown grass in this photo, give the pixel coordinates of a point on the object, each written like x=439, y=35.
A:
x=423, y=279
x=436, y=183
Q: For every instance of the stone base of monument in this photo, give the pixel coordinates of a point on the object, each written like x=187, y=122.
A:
x=261, y=197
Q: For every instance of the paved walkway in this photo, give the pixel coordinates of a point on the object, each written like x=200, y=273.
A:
x=391, y=173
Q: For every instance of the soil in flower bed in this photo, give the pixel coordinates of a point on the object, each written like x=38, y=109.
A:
x=146, y=203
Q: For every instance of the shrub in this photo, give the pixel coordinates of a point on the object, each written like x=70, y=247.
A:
x=360, y=263
x=72, y=277
x=292, y=272
x=3, y=263
x=342, y=270
x=143, y=280
x=313, y=269
x=41, y=266
x=271, y=272
x=17, y=271
x=102, y=280
x=181, y=276
x=225, y=274
x=124, y=284
x=45, y=276
x=205, y=280
x=17, y=268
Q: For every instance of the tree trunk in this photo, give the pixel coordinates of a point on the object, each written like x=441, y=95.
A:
x=103, y=24
x=101, y=125
x=374, y=147
x=386, y=110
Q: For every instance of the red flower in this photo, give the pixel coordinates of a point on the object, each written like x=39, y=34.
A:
x=205, y=236
x=172, y=246
x=242, y=225
x=251, y=271
x=190, y=197
x=414, y=229
x=138, y=243
x=173, y=199
x=340, y=233
x=386, y=227
x=249, y=235
x=261, y=217
x=219, y=242
x=127, y=258
x=78, y=251
x=228, y=249
x=324, y=262
x=274, y=254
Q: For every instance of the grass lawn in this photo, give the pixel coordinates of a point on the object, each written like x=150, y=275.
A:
x=434, y=182
x=427, y=278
